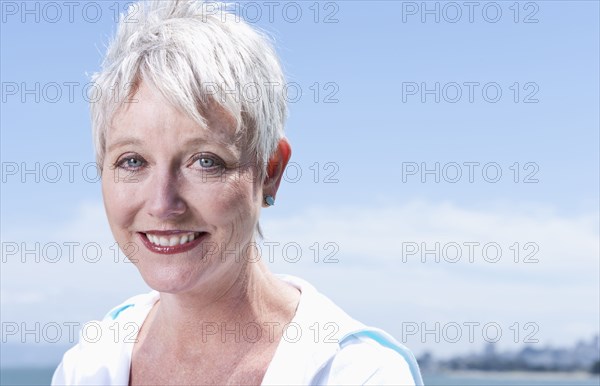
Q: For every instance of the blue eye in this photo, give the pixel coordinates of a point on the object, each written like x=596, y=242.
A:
x=206, y=162
x=133, y=162
x=130, y=162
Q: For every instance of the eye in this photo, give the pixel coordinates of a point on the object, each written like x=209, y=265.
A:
x=206, y=162
x=133, y=162
x=130, y=162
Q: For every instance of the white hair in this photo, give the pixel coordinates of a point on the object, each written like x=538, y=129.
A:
x=196, y=54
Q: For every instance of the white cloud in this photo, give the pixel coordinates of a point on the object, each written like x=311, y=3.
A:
x=376, y=281
x=377, y=234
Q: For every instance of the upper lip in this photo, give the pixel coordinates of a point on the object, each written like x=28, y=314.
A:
x=167, y=233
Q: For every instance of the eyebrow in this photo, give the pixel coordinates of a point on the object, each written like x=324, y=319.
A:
x=123, y=142
x=131, y=141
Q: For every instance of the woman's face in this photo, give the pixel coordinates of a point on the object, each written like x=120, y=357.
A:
x=182, y=200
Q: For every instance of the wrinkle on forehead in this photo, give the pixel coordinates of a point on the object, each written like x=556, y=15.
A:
x=218, y=126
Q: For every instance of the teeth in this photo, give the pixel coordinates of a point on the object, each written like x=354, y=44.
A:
x=164, y=241
x=184, y=239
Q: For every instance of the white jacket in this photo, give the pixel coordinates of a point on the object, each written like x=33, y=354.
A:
x=321, y=346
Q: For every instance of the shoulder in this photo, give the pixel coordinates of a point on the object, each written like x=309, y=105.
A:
x=101, y=355
x=364, y=360
x=347, y=351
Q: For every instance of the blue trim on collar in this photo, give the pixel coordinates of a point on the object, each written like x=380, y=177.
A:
x=115, y=313
x=386, y=342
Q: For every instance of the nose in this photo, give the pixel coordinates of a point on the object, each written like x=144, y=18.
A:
x=165, y=201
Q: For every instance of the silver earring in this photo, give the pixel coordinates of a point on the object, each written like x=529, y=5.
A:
x=269, y=200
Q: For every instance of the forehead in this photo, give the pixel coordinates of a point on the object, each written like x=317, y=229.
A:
x=149, y=115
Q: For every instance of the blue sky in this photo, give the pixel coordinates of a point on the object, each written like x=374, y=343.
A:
x=363, y=144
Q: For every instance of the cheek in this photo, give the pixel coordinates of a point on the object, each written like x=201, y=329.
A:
x=118, y=202
x=232, y=203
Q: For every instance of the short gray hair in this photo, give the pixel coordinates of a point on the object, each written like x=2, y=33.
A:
x=196, y=54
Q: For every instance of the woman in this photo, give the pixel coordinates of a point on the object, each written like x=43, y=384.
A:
x=187, y=165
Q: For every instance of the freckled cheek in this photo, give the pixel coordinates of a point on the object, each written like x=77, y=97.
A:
x=230, y=203
x=119, y=202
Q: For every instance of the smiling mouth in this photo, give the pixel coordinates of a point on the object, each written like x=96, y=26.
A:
x=171, y=240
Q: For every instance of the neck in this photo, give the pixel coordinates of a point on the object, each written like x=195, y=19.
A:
x=217, y=312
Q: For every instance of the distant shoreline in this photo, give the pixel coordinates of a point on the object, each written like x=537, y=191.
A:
x=518, y=374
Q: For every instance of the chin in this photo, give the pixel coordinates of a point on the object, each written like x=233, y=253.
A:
x=170, y=279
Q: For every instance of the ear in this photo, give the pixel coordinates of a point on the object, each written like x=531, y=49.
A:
x=276, y=167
